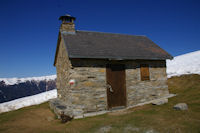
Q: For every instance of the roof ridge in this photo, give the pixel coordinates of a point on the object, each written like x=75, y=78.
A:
x=110, y=33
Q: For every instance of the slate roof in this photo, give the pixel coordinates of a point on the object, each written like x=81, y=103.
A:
x=99, y=45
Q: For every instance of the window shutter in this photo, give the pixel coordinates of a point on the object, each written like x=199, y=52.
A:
x=144, y=71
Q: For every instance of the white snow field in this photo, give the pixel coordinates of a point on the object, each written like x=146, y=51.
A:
x=184, y=64
x=28, y=101
x=12, y=81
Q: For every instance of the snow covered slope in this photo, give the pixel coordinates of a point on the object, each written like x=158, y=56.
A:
x=184, y=64
x=12, y=81
x=28, y=101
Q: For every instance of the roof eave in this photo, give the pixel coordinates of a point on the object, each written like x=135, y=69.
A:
x=57, y=48
x=117, y=58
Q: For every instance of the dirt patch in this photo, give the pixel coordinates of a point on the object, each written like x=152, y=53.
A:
x=105, y=129
x=131, y=129
x=125, y=111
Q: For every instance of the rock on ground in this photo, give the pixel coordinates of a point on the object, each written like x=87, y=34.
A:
x=181, y=106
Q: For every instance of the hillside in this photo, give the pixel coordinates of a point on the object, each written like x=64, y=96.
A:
x=147, y=118
x=14, y=88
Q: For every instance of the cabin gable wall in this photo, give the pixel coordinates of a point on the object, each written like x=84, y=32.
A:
x=63, y=71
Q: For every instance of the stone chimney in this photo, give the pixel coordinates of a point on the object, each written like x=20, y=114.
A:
x=67, y=25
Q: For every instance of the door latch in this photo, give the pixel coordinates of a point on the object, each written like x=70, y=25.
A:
x=110, y=88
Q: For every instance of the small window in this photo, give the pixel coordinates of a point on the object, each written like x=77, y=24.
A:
x=144, y=72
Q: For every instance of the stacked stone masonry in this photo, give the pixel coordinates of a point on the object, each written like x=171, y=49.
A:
x=88, y=94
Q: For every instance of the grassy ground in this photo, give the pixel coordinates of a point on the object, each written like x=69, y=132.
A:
x=148, y=118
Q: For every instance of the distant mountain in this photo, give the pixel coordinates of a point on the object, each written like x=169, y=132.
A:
x=23, y=88
x=12, y=81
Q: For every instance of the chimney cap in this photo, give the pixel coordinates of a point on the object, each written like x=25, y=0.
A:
x=67, y=18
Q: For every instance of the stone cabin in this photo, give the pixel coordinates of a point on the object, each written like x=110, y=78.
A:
x=98, y=72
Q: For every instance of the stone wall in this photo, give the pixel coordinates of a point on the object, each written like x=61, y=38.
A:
x=88, y=94
x=63, y=66
x=142, y=91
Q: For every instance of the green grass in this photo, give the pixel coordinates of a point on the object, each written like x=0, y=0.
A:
x=10, y=116
x=162, y=118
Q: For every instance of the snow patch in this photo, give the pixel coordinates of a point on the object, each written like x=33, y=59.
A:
x=184, y=64
x=12, y=81
x=28, y=101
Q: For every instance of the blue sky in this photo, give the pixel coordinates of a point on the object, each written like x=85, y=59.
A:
x=29, y=28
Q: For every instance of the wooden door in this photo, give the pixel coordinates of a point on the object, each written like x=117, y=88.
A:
x=116, y=86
